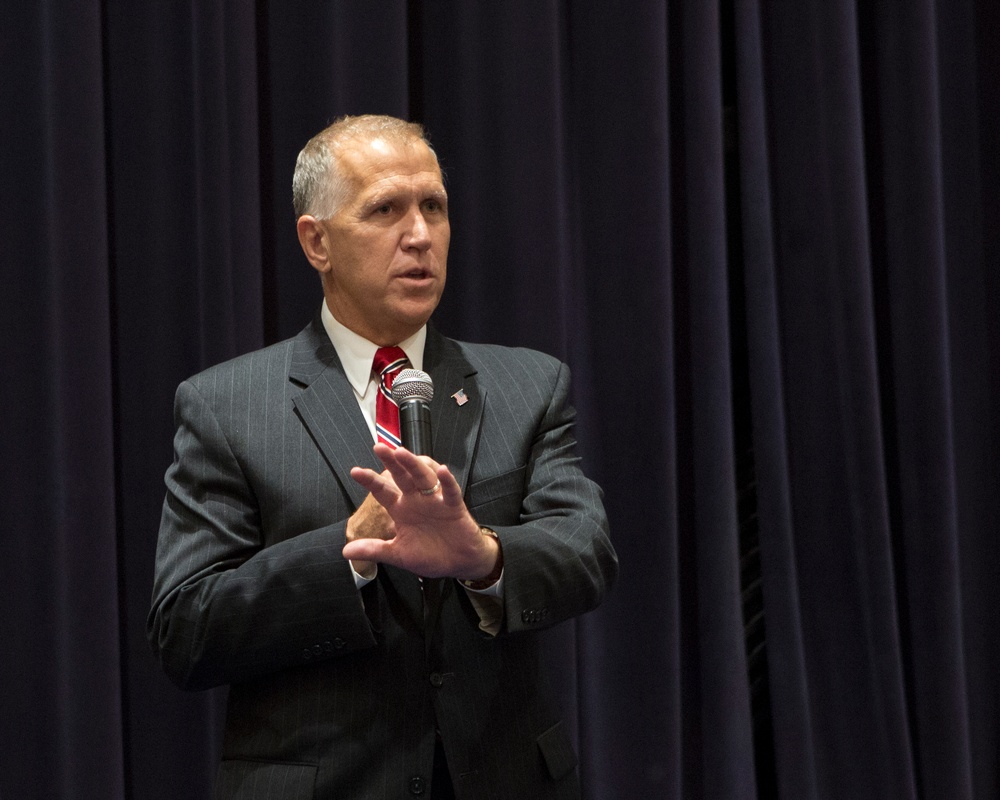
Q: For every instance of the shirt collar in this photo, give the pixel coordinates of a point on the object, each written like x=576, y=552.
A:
x=357, y=353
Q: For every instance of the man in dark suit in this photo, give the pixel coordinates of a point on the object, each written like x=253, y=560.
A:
x=376, y=613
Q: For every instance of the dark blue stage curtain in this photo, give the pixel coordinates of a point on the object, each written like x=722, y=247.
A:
x=677, y=197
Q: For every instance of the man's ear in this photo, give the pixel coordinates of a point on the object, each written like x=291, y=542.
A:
x=311, y=237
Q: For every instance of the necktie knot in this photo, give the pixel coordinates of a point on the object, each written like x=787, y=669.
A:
x=388, y=363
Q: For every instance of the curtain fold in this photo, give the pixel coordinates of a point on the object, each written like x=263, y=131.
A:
x=185, y=186
x=148, y=232
x=910, y=253
x=840, y=626
x=717, y=740
x=844, y=147
x=618, y=132
x=59, y=625
x=794, y=741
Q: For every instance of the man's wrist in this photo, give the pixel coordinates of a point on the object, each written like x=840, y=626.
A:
x=494, y=575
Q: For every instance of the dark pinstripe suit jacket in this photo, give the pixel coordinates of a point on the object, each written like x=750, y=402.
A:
x=336, y=693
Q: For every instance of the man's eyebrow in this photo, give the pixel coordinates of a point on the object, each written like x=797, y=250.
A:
x=390, y=194
x=379, y=198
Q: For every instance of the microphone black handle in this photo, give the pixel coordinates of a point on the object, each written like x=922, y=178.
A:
x=415, y=426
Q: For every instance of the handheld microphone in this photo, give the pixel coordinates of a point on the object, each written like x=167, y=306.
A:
x=412, y=391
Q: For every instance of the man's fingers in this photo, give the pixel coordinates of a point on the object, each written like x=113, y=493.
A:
x=382, y=487
x=365, y=477
x=450, y=490
x=365, y=550
x=410, y=472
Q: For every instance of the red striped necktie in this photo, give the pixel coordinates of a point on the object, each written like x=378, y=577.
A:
x=387, y=365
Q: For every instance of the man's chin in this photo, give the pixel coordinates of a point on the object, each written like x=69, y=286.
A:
x=415, y=313
x=399, y=327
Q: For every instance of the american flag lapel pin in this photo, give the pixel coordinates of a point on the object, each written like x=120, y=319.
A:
x=461, y=397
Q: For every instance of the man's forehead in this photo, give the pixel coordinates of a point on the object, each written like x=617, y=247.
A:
x=384, y=147
x=378, y=162
x=379, y=152
x=391, y=182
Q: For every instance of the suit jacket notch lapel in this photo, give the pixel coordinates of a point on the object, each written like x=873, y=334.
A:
x=455, y=424
x=329, y=410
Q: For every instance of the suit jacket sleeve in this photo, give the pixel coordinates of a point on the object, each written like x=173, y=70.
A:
x=231, y=599
x=558, y=557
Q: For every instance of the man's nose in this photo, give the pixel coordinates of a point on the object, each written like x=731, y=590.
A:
x=419, y=234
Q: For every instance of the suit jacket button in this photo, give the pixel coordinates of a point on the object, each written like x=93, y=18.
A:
x=317, y=650
x=338, y=643
x=436, y=680
x=307, y=654
x=417, y=785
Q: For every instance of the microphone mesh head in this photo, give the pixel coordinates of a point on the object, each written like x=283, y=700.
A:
x=412, y=383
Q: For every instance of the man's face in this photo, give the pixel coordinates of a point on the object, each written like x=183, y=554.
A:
x=387, y=245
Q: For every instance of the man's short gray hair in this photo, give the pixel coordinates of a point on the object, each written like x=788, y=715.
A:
x=319, y=187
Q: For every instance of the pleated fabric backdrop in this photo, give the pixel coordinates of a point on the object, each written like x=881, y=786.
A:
x=676, y=197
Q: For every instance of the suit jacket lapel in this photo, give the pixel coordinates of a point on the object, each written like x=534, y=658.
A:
x=457, y=407
x=329, y=410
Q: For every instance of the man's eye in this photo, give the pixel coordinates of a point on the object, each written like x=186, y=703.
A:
x=383, y=209
x=433, y=205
